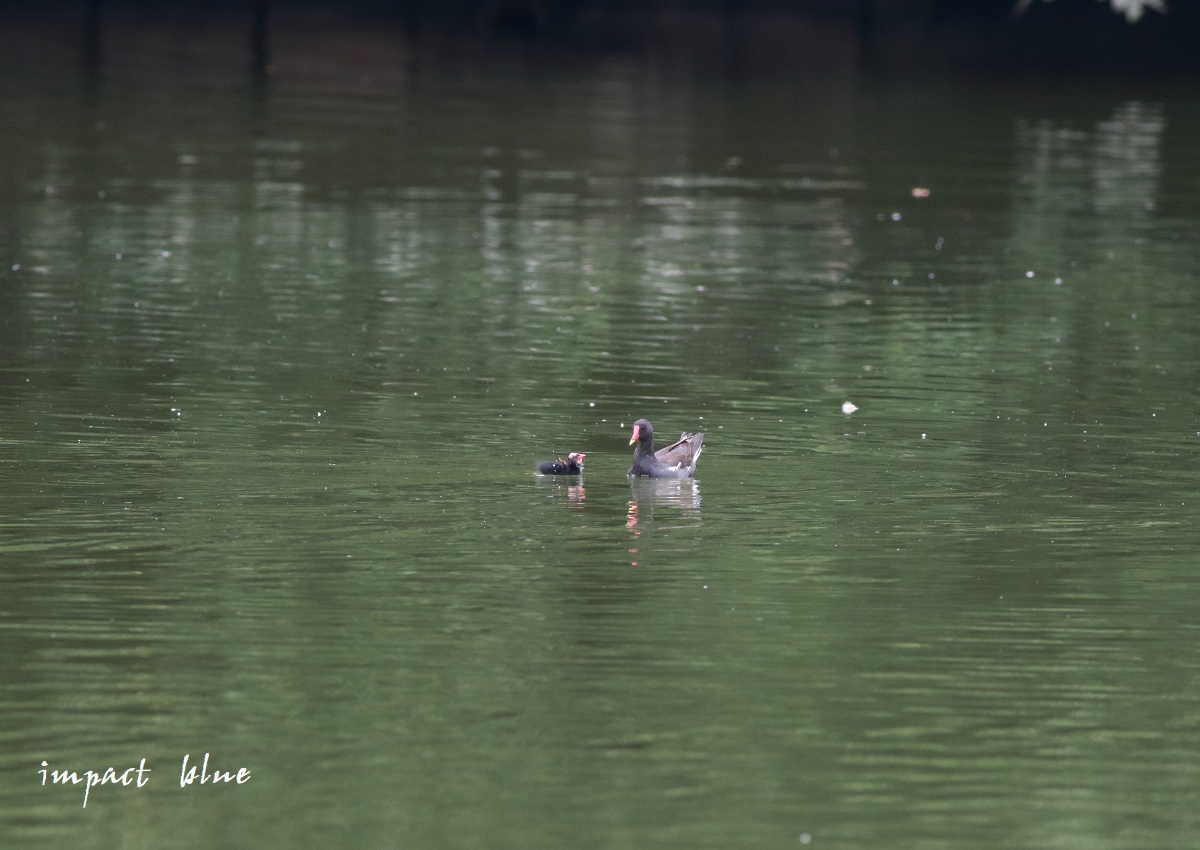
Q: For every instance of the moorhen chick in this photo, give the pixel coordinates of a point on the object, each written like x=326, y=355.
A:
x=677, y=460
x=573, y=465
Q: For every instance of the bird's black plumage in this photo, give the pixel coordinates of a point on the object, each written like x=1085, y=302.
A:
x=573, y=465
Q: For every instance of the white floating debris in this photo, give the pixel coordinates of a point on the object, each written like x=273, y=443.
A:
x=849, y=407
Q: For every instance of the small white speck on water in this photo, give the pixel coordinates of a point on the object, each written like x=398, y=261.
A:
x=1028, y=274
x=591, y=404
x=922, y=436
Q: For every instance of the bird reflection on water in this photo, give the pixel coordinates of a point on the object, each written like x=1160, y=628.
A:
x=573, y=493
x=648, y=495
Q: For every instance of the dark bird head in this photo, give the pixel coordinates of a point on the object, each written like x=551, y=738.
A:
x=643, y=432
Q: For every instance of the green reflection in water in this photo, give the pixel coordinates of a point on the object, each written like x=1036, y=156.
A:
x=275, y=372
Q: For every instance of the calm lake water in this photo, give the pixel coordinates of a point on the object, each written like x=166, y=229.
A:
x=276, y=364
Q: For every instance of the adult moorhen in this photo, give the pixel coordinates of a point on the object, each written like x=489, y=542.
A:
x=677, y=460
x=573, y=465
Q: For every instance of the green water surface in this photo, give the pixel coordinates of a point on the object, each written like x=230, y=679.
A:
x=276, y=364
